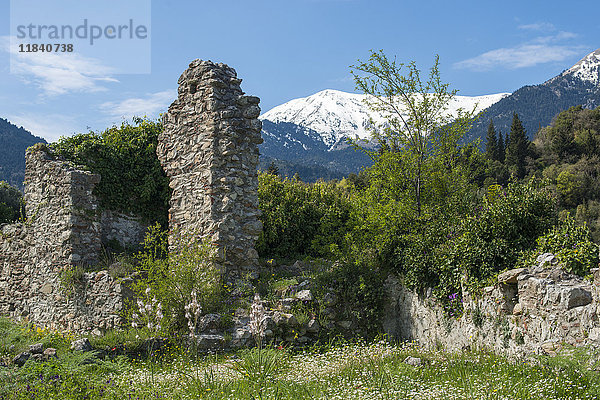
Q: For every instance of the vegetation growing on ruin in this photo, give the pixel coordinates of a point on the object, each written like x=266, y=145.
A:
x=171, y=279
x=437, y=213
x=125, y=156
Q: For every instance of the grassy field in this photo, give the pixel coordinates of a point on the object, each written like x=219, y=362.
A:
x=334, y=371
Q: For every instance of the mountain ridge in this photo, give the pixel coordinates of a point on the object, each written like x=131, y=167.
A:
x=336, y=115
x=537, y=105
x=14, y=141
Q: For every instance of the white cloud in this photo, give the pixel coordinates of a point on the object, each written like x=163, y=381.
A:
x=48, y=126
x=539, y=26
x=539, y=50
x=150, y=105
x=58, y=73
x=558, y=37
x=5, y=43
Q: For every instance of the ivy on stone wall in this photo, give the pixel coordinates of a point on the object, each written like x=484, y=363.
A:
x=125, y=157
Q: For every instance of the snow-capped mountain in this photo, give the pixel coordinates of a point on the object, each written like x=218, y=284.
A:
x=587, y=69
x=334, y=115
x=310, y=131
x=536, y=105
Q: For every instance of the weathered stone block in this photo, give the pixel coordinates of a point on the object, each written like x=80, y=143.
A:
x=510, y=276
x=576, y=297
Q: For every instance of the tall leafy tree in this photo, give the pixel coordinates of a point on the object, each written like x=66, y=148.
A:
x=516, y=148
x=491, y=142
x=419, y=141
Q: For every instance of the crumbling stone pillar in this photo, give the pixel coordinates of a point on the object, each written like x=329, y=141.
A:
x=59, y=200
x=209, y=150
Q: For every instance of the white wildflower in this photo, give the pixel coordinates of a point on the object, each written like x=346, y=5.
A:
x=258, y=320
x=192, y=313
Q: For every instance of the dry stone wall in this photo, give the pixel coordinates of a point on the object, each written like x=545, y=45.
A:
x=62, y=232
x=209, y=150
x=536, y=310
x=126, y=229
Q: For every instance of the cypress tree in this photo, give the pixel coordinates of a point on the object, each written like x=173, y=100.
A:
x=516, y=148
x=491, y=144
x=501, y=148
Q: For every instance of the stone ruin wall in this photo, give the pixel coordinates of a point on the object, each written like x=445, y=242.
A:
x=209, y=150
x=536, y=310
x=63, y=231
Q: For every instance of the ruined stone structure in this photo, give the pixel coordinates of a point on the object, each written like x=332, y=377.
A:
x=63, y=231
x=534, y=310
x=209, y=150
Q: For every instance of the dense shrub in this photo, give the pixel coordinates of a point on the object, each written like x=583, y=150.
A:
x=170, y=278
x=132, y=177
x=508, y=223
x=572, y=244
x=11, y=203
x=300, y=218
x=359, y=294
x=398, y=237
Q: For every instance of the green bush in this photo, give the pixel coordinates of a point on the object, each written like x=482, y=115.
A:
x=11, y=203
x=132, y=177
x=169, y=279
x=300, y=218
x=572, y=244
x=359, y=294
x=507, y=223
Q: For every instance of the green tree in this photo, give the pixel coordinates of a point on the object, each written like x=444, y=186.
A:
x=562, y=133
x=421, y=183
x=517, y=148
x=419, y=140
x=491, y=143
x=273, y=170
x=11, y=203
x=570, y=186
x=501, y=147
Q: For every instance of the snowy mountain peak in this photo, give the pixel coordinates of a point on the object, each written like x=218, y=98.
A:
x=587, y=69
x=335, y=114
x=331, y=113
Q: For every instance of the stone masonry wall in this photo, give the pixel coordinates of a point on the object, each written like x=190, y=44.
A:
x=128, y=230
x=537, y=310
x=209, y=150
x=62, y=232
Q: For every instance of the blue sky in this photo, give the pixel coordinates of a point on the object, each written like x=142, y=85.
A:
x=287, y=49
